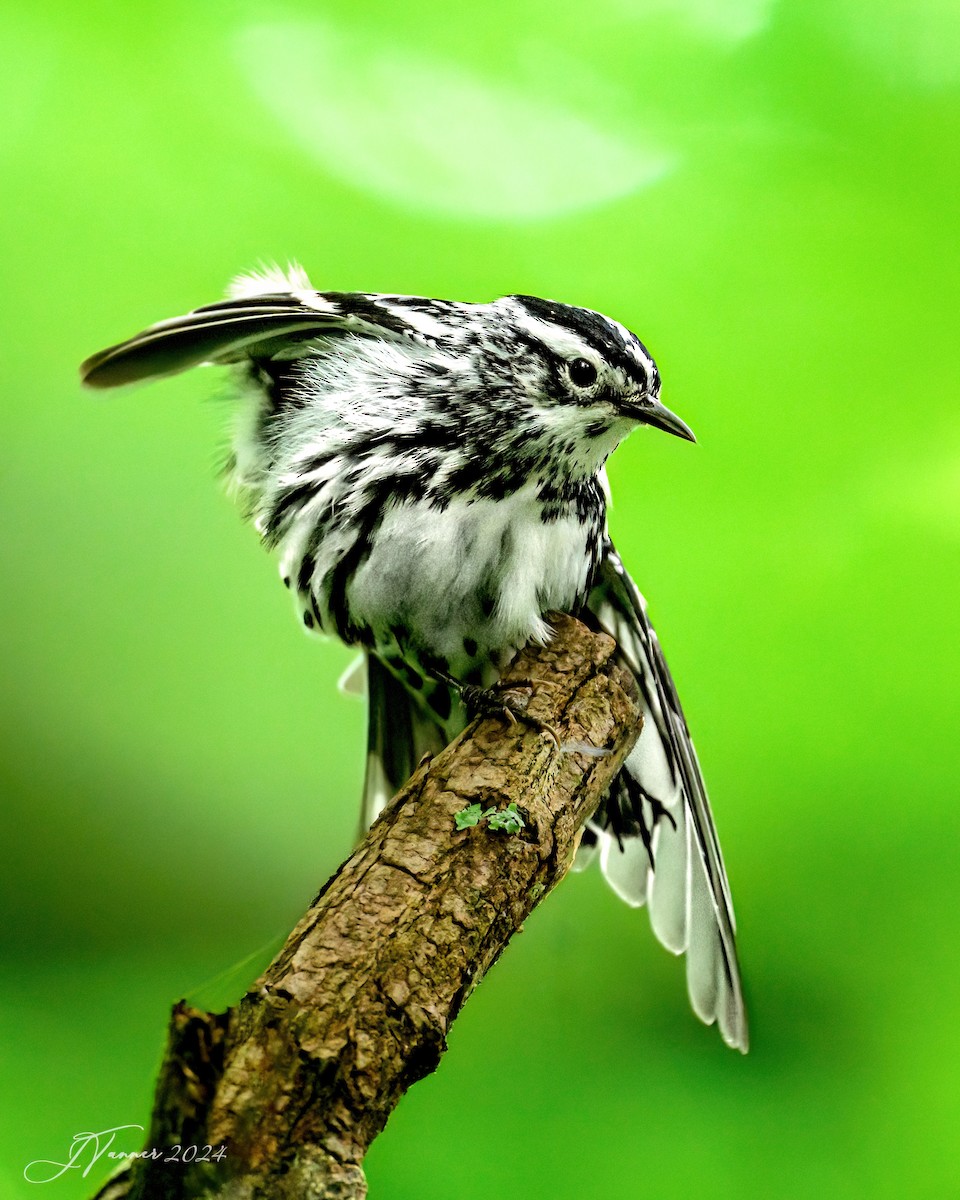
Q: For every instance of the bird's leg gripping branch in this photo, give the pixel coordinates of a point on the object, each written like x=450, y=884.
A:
x=299, y=1078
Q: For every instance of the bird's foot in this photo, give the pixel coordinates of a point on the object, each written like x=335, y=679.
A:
x=494, y=701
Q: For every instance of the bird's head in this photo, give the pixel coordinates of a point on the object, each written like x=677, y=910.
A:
x=587, y=377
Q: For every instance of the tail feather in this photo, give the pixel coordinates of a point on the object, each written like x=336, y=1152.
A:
x=668, y=899
x=626, y=869
x=399, y=734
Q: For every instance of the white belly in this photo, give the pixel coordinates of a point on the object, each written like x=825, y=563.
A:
x=486, y=572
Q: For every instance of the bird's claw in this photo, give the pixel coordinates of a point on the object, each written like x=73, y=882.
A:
x=490, y=702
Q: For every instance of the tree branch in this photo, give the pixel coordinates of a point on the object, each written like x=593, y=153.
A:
x=301, y=1076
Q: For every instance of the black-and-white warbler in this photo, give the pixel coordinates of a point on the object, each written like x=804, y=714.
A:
x=431, y=474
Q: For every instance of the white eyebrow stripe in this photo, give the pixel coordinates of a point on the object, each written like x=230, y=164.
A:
x=633, y=346
x=558, y=339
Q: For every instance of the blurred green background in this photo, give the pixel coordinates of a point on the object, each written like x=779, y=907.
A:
x=766, y=192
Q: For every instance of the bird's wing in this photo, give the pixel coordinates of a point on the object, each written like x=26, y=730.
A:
x=399, y=733
x=267, y=326
x=666, y=851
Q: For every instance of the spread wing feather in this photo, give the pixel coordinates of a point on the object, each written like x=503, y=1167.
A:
x=267, y=326
x=681, y=872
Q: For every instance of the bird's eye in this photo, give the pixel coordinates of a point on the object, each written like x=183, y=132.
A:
x=582, y=373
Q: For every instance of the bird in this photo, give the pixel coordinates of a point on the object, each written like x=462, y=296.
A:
x=431, y=476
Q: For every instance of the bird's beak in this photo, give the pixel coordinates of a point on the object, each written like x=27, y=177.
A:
x=652, y=412
x=648, y=411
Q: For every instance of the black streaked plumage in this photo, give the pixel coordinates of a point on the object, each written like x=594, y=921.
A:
x=430, y=474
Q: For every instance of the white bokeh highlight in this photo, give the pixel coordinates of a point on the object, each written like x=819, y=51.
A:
x=433, y=136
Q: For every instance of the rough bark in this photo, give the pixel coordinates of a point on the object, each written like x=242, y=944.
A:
x=301, y=1076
